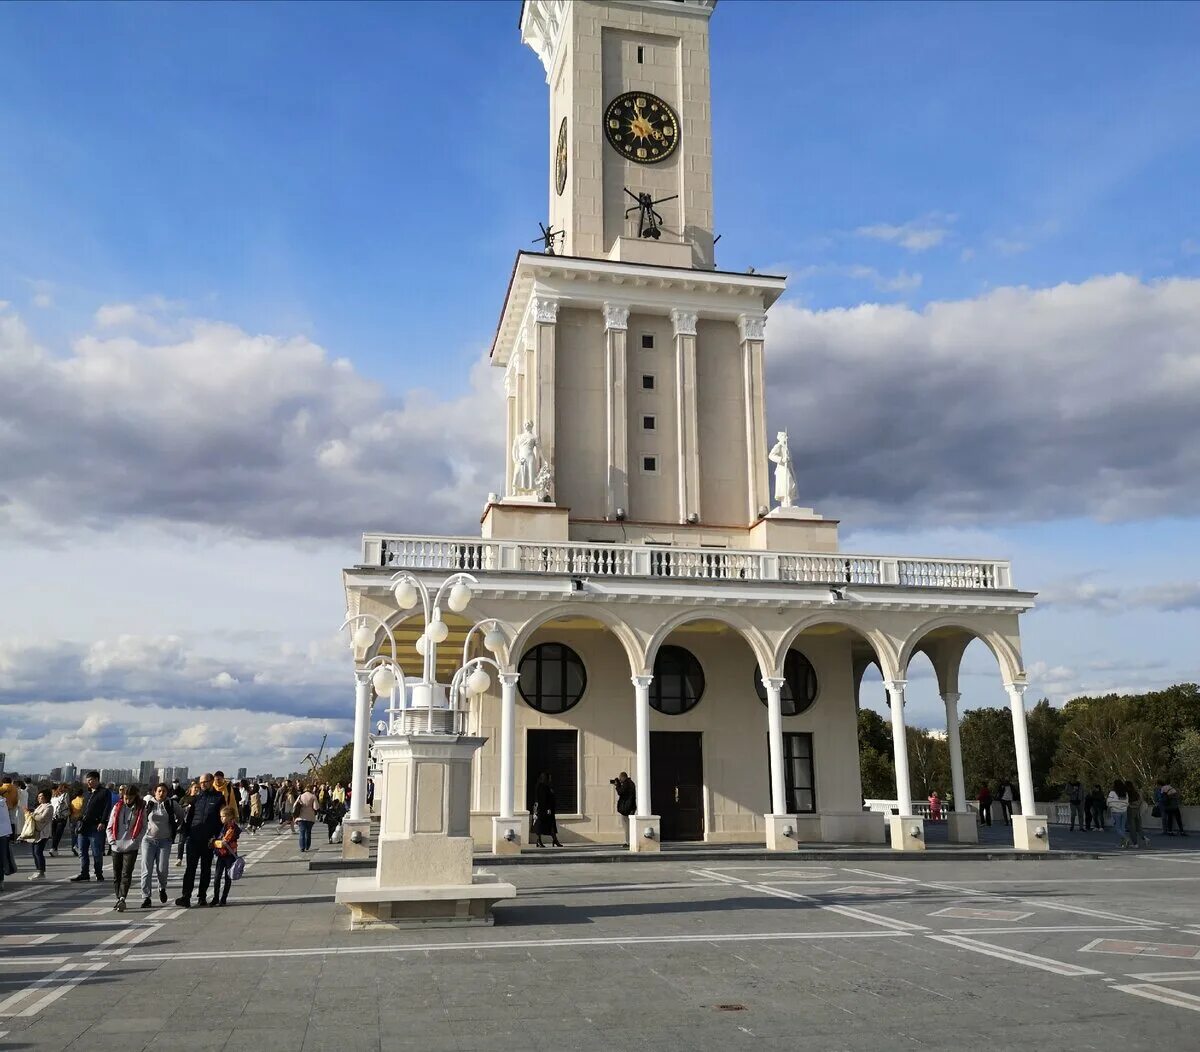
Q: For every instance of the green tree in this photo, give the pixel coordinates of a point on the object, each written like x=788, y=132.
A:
x=1105, y=738
x=875, y=756
x=928, y=763
x=1045, y=724
x=339, y=767
x=988, y=753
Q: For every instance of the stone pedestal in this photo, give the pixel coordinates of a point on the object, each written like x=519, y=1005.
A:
x=350, y=849
x=781, y=832
x=908, y=832
x=639, y=826
x=423, y=876
x=962, y=828
x=1025, y=832
x=852, y=827
x=518, y=825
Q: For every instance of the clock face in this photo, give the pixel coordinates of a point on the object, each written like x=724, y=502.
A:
x=560, y=158
x=642, y=127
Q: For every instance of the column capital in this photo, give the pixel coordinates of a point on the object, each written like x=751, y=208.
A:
x=894, y=686
x=363, y=675
x=616, y=316
x=1016, y=690
x=510, y=679
x=684, y=322
x=774, y=682
x=951, y=697
x=545, y=310
x=642, y=681
x=752, y=326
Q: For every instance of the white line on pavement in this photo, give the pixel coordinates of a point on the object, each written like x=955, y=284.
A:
x=845, y=911
x=1020, y=930
x=1031, y=960
x=1163, y=994
x=882, y=876
x=68, y=977
x=519, y=944
x=1088, y=912
x=1167, y=977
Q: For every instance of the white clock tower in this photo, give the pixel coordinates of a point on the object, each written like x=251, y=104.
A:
x=594, y=53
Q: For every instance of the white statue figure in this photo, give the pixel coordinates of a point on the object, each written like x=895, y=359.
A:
x=527, y=459
x=785, y=480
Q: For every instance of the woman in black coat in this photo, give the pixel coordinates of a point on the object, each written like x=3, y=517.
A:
x=544, y=820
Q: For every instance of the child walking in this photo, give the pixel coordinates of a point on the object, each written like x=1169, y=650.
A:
x=225, y=847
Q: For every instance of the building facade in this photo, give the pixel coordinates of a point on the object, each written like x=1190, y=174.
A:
x=658, y=600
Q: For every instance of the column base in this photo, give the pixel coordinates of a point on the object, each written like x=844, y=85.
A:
x=853, y=827
x=518, y=826
x=781, y=832
x=361, y=826
x=908, y=832
x=644, y=833
x=1025, y=832
x=962, y=828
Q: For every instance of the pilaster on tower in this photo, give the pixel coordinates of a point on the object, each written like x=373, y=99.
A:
x=655, y=53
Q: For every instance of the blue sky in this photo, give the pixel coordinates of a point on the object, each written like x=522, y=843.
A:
x=205, y=208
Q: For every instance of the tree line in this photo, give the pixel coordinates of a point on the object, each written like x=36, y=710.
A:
x=1139, y=737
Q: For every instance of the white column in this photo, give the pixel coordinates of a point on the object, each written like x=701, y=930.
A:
x=687, y=438
x=751, y=329
x=895, y=689
x=642, y=718
x=508, y=723
x=775, y=744
x=362, y=744
x=958, y=785
x=1016, y=700
x=616, y=325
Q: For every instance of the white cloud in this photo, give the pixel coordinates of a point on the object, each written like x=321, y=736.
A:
x=1023, y=404
x=223, y=681
x=199, y=736
x=917, y=235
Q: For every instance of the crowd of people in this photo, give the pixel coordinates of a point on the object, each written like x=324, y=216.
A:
x=137, y=830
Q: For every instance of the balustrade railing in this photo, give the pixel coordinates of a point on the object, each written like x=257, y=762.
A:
x=668, y=561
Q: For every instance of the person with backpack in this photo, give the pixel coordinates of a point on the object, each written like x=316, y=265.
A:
x=163, y=819
x=126, y=828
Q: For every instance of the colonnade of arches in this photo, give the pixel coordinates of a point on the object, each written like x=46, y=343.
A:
x=641, y=635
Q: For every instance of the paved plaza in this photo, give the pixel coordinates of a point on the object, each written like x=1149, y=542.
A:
x=662, y=954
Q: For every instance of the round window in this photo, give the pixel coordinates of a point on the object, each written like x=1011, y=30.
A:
x=552, y=677
x=678, y=681
x=799, y=686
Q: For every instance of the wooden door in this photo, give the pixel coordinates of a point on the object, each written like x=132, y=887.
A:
x=677, y=783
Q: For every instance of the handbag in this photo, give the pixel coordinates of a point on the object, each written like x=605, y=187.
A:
x=29, y=829
x=238, y=868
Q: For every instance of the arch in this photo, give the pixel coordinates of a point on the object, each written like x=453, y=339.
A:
x=753, y=636
x=1009, y=660
x=625, y=635
x=885, y=651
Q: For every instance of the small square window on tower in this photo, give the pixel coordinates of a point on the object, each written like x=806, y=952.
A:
x=647, y=341
x=649, y=464
x=649, y=423
x=647, y=381
x=641, y=54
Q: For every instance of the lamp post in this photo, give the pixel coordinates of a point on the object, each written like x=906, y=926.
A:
x=382, y=676
x=407, y=590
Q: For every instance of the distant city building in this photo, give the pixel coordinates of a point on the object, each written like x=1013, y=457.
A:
x=56, y=774
x=69, y=772
x=146, y=773
x=3, y=757
x=241, y=773
x=116, y=775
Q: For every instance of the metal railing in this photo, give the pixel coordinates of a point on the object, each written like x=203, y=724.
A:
x=668, y=561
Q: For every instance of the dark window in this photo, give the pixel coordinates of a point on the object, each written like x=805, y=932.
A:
x=798, y=780
x=799, y=688
x=647, y=382
x=678, y=681
x=649, y=423
x=552, y=677
x=641, y=54
x=650, y=464
x=647, y=341
x=555, y=752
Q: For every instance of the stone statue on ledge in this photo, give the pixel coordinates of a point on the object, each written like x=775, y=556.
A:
x=527, y=460
x=785, y=479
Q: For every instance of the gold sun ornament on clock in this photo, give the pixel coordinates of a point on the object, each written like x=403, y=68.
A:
x=642, y=127
x=560, y=158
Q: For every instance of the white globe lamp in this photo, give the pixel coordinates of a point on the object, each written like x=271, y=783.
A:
x=493, y=639
x=478, y=682
x=384, y=681
x=460, y=596
x=421, y=644
x=406, y=595
x=363, y=637
x=438, y=631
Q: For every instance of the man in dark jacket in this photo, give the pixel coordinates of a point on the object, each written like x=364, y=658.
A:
x=97, y=804
x=201, y=826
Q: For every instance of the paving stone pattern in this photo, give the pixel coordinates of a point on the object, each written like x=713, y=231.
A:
x=691, y=955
